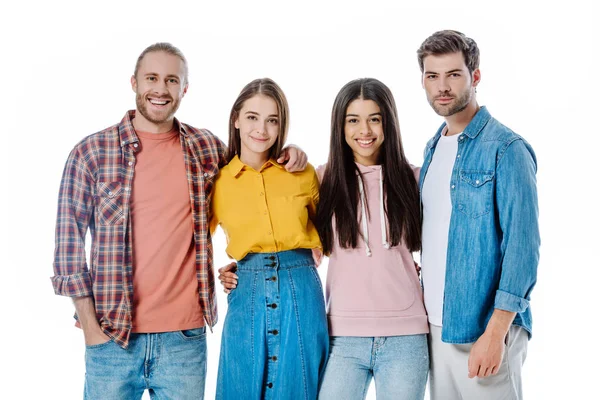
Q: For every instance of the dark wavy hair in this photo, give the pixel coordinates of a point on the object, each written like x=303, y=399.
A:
x=339, y=194
x=446, y=42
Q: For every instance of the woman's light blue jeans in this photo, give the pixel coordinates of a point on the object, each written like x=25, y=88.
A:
x=399, y=364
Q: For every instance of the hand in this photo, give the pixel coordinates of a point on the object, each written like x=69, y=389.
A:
x=95, y=336
x=227, y=277
x=294, y=158
x=486, y=355
x=317, y=255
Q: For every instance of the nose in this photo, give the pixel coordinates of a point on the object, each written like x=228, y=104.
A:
x=160, y=87
x=261, y=127
x=443, y=85
x=365, y=128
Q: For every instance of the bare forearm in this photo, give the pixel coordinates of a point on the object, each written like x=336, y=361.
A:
x=500, y=323
x=487, y=352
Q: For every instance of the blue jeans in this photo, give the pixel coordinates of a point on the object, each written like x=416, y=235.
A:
x=275, y=339
x=171, y=365
x=399, y=365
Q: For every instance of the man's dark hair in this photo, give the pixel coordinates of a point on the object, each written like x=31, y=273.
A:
x=445, y=42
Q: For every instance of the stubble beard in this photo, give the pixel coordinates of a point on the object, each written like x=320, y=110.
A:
x=459, y=104
x=142, y=107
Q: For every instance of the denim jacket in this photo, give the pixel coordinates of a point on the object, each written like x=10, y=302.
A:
x=493, y=240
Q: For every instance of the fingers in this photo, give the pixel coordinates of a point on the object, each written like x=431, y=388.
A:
x=483, y=372
x=417, y=268
x=473, y=368
x=482, y=369
x=227, y=277
x=296, y=159
x=228, y=281
x=232, y=266
x=285, y=156
x=317, y=256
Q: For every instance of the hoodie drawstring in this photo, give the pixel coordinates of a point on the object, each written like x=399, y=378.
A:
x=363, y=202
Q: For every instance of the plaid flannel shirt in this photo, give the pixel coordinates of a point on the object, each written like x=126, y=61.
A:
x=95, y=193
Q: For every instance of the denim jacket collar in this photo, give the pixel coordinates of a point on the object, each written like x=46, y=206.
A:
x=472, y=130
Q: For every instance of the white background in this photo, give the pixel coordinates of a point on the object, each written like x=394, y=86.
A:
x=65, y=70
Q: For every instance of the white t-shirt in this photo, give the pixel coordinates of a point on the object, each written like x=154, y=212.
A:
x=437, y=209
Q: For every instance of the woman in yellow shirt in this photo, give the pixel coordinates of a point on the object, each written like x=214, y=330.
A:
x=275, y=339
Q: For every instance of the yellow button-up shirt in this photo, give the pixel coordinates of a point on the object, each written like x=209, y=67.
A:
x=265, y=211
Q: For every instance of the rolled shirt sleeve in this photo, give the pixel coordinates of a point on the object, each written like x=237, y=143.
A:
x=518, y=217
x=75, y=209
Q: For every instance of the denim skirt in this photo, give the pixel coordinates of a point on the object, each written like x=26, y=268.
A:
x=275, y=341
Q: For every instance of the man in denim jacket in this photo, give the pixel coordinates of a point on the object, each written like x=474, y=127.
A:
x=480, y=232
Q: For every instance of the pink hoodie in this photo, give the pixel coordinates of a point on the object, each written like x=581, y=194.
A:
x=373, y=290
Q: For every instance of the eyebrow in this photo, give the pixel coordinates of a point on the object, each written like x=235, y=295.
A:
x=356, y=115
x=156, y=74
x=447, y=72
x=255, y=113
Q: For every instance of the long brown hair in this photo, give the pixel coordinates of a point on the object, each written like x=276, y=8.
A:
x=267, y=87
x=339, y=194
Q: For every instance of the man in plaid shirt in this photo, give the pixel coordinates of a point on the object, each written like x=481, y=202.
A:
x=143, y=189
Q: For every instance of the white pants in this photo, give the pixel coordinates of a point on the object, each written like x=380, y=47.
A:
x=449, y=373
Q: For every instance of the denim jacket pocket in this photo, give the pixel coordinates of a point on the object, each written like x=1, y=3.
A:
x=109, y=203
x=475, y=192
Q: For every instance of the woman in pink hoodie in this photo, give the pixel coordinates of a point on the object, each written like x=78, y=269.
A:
x=368, y=219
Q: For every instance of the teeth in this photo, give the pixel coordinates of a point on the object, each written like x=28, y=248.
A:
x=158, y=103
x=365, y=141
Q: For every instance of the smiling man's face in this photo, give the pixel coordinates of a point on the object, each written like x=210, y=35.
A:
x=159, y=86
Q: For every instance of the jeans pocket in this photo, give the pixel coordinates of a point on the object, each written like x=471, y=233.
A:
x=193, y=334
x=109, y=203
x=99, y=346
x=475, y=192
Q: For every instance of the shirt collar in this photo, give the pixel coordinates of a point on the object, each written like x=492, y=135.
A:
x=472, y=130
x=127, y=131
x=237, y=166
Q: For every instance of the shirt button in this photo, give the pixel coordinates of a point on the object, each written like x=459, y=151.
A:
x=273, y=305
x=269, y=385
x=477, y=182
x=274, y=358
x=274, y=278
x=275, y=332
x=265, y=213
x=461, y=137
x=452, y=186
x=123, y=143
x=206, y=174
x=130, y=163
x=262, y=193
x=135, y=145
x=123, y=217
x=110, y=194
x=269, y=232
x=458, y=156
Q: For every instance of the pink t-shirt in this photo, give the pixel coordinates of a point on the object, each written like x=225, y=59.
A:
x=165, y=287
